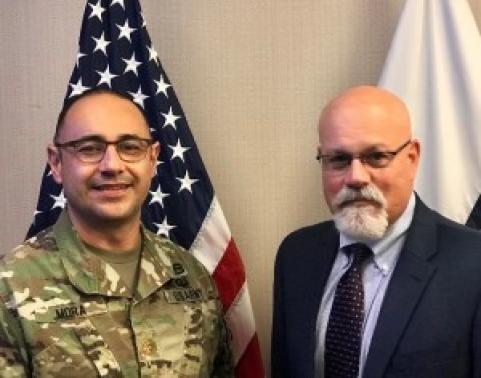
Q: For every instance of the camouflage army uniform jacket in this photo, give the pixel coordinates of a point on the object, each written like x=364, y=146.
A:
x=67, y=313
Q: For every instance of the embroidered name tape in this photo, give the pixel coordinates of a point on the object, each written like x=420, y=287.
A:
x=184, y=295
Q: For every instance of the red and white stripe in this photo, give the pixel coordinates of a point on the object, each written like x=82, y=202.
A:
x=216, y=250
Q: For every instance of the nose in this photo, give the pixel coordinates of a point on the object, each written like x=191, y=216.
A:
x=357, y=175
x=111, y=162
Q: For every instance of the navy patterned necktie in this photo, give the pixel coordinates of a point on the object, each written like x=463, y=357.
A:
x=344, y=329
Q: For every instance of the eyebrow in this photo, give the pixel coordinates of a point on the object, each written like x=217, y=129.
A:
x=98, y=137
x=340, y=151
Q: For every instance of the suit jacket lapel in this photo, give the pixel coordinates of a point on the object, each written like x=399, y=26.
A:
x=314, y=278
x=409, y=280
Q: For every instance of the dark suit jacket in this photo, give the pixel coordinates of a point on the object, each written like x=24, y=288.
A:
x=429, y=325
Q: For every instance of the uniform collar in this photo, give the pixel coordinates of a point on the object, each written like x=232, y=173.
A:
x=92, y=275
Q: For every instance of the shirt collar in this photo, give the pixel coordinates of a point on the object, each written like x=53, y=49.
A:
x=387, y=249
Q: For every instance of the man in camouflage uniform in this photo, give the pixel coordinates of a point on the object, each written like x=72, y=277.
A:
x=98, y=294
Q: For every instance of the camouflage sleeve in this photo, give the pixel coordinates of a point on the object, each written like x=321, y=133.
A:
x=13, y=356
x=224, y=361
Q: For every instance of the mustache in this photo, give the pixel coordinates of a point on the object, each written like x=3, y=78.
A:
x=366, y=193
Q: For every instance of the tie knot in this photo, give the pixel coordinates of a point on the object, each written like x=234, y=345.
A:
x=359, y=251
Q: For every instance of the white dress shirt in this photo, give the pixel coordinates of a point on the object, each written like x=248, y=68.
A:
x=376, y=276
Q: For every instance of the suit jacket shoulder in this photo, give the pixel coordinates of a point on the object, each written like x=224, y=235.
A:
x=308, y=240
x=431, y=234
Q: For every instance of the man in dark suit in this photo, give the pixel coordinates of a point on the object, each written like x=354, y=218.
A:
x=411, y=305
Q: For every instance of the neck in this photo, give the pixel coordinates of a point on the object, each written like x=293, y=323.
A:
x=113, y=236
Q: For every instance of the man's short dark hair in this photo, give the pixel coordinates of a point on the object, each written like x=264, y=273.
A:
x=68, y=103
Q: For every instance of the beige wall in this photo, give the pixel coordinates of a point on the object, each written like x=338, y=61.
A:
x=251, y=76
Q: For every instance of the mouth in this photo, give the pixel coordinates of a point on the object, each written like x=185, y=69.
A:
x=359, y=202
x=113, y=190
x=107, y=187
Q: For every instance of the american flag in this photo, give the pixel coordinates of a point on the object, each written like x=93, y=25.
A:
x=115, y=51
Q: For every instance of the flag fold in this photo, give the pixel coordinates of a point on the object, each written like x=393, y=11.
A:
x=433, y=65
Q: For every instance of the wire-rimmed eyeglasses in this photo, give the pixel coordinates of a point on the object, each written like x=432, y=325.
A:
x=338, y=162
x=91, y=150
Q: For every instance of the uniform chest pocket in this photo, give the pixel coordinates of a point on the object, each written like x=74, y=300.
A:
x=67, y=344
x=176, y=340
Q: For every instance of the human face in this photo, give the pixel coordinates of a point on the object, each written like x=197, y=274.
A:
x=361, y=120
x=111, y=191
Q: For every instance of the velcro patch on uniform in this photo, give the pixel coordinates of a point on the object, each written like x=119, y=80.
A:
x=181, y=295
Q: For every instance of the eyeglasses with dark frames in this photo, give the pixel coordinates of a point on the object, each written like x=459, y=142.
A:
x=338, y=162
x=91, y=150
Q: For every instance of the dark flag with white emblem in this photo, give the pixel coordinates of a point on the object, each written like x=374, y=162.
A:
x=115, y=52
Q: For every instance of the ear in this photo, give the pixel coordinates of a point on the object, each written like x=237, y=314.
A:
x=154, y=154
x=55, y=163
x=414, y=152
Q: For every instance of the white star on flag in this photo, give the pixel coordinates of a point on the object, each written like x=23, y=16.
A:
x=125, y=30
x=97, y=10
x=164, y=228
x=60, y=200
x=158, y=196
x=131, y=64
x=186, y=182
x=152, y=54
x=178, y=151
x=162, y=86
x=139, y=97
x=77, y=88
x=101, y=44
x=170, y=119
x=106, y=76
